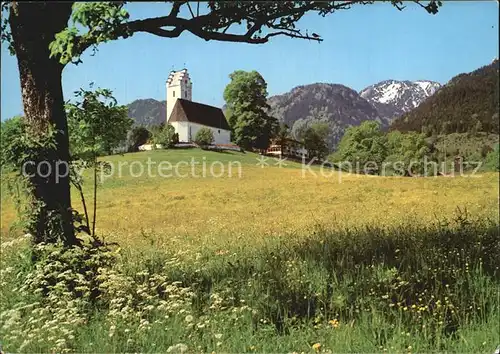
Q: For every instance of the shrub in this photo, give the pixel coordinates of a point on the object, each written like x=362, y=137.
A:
x=363, y=144
x=204, y=137
x=485, y=150
x=314, y=138
x=492, y=160
x=10, y=131
x=165, y=136
x=137, y=137
x=175, y=139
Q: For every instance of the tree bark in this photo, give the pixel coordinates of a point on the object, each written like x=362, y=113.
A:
x=34, y=26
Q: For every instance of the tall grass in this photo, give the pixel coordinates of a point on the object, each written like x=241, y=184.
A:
x=264, y=202
x=407, y=288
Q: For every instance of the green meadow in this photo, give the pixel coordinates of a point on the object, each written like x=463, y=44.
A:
x=258, y=257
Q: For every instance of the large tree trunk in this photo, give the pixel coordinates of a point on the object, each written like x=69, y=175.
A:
x=33, y=26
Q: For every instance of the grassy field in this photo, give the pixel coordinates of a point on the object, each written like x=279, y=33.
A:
x=275, y=259
x=262, y=202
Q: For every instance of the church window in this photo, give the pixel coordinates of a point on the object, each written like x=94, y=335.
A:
x=173, y=93
x=185, y=94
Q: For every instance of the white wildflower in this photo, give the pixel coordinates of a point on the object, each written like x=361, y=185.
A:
x=178, y=348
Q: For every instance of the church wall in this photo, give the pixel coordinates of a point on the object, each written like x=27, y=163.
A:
x=173, y=93
x=221, y=136
x=182, y=129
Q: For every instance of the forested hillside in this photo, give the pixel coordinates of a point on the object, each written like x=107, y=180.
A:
x=467, y=103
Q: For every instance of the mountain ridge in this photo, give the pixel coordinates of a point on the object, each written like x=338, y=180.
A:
x=392, y=98
x=147, y=112
x=467, y=102
x=335, y=104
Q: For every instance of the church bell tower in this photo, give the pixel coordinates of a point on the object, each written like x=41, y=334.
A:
x=178, y=85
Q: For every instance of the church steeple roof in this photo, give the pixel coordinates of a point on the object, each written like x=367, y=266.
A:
x=177, y=76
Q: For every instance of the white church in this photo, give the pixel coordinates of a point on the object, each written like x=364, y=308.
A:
x=187, y=117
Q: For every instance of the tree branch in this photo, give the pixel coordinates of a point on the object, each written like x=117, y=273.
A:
x=191, y=11
x=225, y=29
x=399, y=7
x=165, y=33
x=208, y=26
x=176, y=7
x=288, y=34
x=196, y=25
x=279, y=17
x=431, y=7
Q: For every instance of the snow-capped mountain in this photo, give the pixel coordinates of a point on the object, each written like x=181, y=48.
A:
x=336, y=105
x=392, y=98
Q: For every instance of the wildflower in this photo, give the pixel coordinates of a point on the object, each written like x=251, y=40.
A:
x=178, y=348
x=334, y=323
x=188, y=318
x=316, y=346
x=218, y=335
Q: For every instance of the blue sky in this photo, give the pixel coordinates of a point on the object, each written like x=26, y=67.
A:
x=361, y=46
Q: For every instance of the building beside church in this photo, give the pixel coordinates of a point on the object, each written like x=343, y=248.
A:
x=187, y=117
x=289, y=148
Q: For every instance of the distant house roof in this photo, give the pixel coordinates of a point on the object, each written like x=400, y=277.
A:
x=188, y=111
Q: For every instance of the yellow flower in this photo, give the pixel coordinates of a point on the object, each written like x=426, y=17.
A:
x=316, y=347
x=334, y=323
